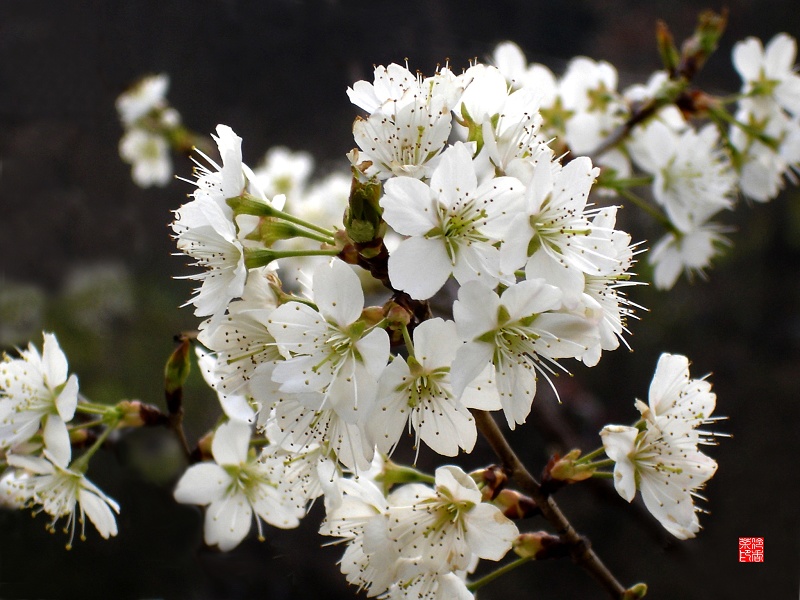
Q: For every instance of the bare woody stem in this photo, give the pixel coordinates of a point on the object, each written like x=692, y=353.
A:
x=581, y=551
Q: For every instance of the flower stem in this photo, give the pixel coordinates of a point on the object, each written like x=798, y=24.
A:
x=82, y=462
x=601, y=463
x=476, y=585
x=250, y=205
x=324, y=239
x=593, y=454
x=581, y=550
x=262, y=257
x=407, y=340
x=650, y=210
x=87, y=425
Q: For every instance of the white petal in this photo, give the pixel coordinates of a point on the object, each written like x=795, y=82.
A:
x=672, y=373
x=476, y=309
x=99, y=513
x=404, y=266
x=455, y=175
x=296, y=327
x=489, y=533
x=54, y=362
x=471, y=360
x=374, y=351
x=446, y=427
x=530, y=298
x=56, y=439
x=34, y=464
x=619, y=442
x=409, y=207
x=230, y=444
x=435, y=343
x=338, y=293
x=67, y=400
x=202, y=484
x=747, y=57
x=228, y=522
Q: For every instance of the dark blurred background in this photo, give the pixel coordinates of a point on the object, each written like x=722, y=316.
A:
x=86, y=254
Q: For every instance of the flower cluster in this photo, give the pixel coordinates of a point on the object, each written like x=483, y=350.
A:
x=541, y=274
x=693, y=168
x=38, y=398
x=479, y=203
x=149, y=124
x=660, y=456
x=418, y=541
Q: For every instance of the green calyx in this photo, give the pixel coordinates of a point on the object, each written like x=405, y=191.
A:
x=363, y=219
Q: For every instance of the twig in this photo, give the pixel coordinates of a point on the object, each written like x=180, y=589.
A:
x=581, y=553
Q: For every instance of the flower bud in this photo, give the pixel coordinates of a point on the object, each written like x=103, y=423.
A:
x=696, y=50
x=561, y=471
x=540, y=545
x=565, y=469
x=130, y=413
x=635, y=592
x=78, y=437
x=203, y=450
x=175, y=373
x=135, y=413
x=270, y=230
x=393, y=474
x=372, y=315
x=362, y=219
x=515, y=505
x=491, y=480
x=666, y=48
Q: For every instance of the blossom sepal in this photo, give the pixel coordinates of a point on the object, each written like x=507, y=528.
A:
x=563, y=470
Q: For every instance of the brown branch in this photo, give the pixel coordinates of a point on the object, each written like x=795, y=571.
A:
x=581, y=551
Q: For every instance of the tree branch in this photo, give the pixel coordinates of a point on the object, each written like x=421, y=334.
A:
x=582, y=553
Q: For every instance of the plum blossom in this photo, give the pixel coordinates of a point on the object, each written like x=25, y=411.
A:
x=149, y=154
x=61, y=492
x=693, y=176
x=147, y=94
x=768, y=74
x=204, y=232
x=453, y=224
x=443, y=528
x=689, y=252
x=515, y=333
x=409, y=121
x=659, y=457
x=552, y=237
x=328, y=349
x=418, y=392
x=36, y=390
x=235, y=487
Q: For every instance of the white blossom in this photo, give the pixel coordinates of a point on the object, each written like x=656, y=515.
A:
x=417, y=393
x=660, y=456
x=236, y=486
x=329, y=349
x=149, y=154
x=453, y=224
x=689, y=252
x=206, y=233
x=515, y=333
x=61, y=492
x=36, y=391
x=693, y=176
x=443, y=528
x=768, y=74
x=149, y=93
